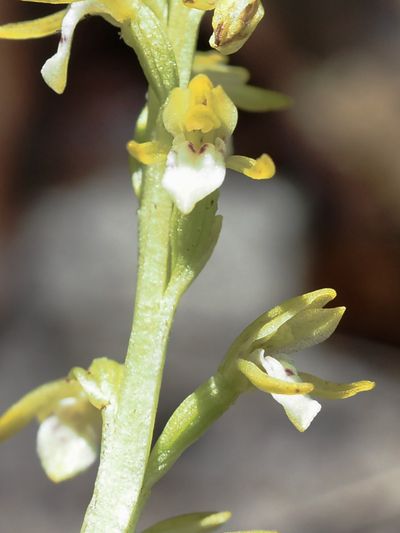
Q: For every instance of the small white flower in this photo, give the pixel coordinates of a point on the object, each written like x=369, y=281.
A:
x=201, y=119
x=191, y=174
x=301, y=409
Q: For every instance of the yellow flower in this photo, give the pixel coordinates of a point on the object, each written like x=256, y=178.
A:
x=264, y=347
x=70, y=413
x=201, y=119
x=55, y=69
x=233, y=21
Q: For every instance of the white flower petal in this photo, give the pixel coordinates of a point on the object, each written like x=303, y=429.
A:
x=67, y=443
x=192, y=175
x=301, y=409
x=55, y=70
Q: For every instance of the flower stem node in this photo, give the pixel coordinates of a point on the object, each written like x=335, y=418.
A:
x=261, y=352
x=70, y=413
x=201, y=119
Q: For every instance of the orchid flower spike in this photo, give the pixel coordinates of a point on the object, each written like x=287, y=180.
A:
x=55, y=69
x=233, y=22
x=261, y=355
x=70, y=413
x=201, y=119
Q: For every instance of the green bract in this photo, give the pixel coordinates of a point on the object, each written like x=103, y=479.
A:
x=191, y=523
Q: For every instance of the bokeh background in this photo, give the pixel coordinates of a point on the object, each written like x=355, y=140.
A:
x=331, y=217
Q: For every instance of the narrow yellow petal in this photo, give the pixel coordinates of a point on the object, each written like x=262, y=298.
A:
x=35, y=404
x=265, y=383
x=261, y=168
x=336, y=391
x=33, y=29
x=146, y=153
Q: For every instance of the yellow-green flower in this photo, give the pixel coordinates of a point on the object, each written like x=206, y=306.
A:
x=201, y=119
x=233, y=21
x=70, y=413
x=55, y=69
x=261, y=355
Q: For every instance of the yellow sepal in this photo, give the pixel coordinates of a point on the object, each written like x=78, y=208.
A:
x=37, y=403
x=147, y=153
x=119, y=9
x=336, y=391
x=175, y=110
x=33, y=29
x=262, y=168
x=200, y=87
x=265, y=383
x=202, y=118
x=201, y=108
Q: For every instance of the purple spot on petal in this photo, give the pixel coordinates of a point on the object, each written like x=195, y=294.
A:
x=203, y=148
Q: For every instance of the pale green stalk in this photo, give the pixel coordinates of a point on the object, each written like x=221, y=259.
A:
x=127, y=437
x=126, y=444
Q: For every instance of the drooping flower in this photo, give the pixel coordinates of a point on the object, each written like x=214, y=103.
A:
x=70, y=412
x=233, y=21
x=201, y=119
x=55, y=69
x=261, y=355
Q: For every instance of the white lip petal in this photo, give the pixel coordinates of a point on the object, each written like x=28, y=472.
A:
x=55, y=70
x=64, y=451
x=301, y=409
x=192, y=175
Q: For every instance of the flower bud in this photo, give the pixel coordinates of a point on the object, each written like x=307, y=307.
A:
x=233, y=23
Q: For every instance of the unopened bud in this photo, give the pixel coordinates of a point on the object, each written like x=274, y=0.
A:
x=233, y=23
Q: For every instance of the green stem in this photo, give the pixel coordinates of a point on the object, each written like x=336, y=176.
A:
x=127, y=437
x=126, y=443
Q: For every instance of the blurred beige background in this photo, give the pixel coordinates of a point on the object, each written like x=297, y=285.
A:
x=330, y=218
